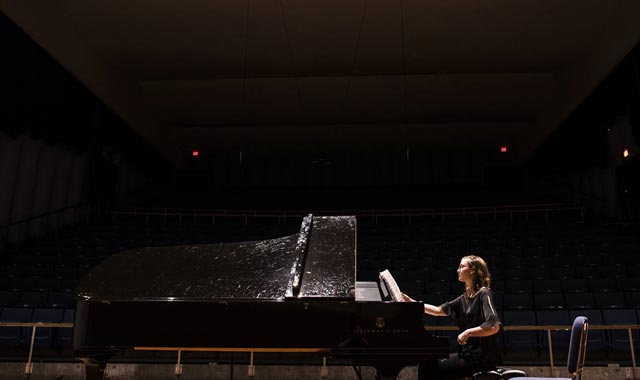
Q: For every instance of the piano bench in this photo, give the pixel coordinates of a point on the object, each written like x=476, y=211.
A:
x=499, y=374
x=486, y=375
x=508, y=373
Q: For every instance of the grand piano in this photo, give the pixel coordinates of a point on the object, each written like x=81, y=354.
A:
x=296, y=293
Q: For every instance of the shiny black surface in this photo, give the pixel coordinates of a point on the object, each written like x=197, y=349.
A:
x=256, y=270
x=345, y=329
x=236, y=324
x=242, y=295
x=330, y=269
x=249, y=270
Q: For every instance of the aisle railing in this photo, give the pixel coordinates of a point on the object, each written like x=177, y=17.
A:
x=548, y=329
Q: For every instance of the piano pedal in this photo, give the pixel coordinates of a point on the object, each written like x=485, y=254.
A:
x=324, y=371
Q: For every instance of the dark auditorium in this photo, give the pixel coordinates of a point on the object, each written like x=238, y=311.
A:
x=331, y=190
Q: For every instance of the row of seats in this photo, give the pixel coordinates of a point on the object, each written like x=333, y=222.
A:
x=40, y=284
x=503, y=258
x=560, y=278
x=507, y=247
x=122, y=236
x=575, y=285
x=66, y=271
x=536, y=239
x=421, y=268
x=12, y=337
x=613, y=266
x=599, y=340
x=551, y=301
x=549, y=276
x=37, y=299
x=446, y=282
x=503, y=238
x=567, y=285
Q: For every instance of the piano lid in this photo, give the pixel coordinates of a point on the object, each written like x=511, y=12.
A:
x=330, y=266
x=260, y=270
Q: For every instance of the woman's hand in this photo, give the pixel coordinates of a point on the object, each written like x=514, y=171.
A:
x=462, y=338
x=406, y=298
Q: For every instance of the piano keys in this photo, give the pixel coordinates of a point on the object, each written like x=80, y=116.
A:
x=296, y=292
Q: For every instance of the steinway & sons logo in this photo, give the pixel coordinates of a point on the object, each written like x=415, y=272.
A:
x=380, y=328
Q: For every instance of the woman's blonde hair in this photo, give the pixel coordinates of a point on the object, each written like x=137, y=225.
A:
x=480, y=274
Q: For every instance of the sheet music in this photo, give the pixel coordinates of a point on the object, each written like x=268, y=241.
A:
x=392, y=286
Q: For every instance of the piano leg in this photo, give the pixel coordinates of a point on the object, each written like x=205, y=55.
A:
x=95, y=371
x=388, y=373
x=356, y=369
x=426, y=370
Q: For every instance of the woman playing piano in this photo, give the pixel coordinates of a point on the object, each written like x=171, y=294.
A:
x=473, y=312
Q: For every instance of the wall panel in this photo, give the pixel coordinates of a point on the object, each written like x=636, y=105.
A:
x=44, y=186
x=25, y=182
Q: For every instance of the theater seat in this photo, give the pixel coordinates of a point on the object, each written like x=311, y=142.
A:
x=577, y=351
x=45, y=335
x=520, y=341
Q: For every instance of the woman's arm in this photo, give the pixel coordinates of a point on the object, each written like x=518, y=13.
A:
x=489, y=327
x=434, y=310
x=477, y=332
x=428, y=308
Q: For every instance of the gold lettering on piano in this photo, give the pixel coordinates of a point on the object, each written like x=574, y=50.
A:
x=382, y=331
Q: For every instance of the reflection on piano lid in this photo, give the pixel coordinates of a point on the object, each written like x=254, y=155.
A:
x=305, y=265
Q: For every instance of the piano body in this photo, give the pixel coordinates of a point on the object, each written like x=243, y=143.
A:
x=296, y=293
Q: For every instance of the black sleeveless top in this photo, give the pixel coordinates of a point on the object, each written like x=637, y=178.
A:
x=466, y=312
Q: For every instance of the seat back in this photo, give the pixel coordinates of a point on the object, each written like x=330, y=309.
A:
x=578, y=347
